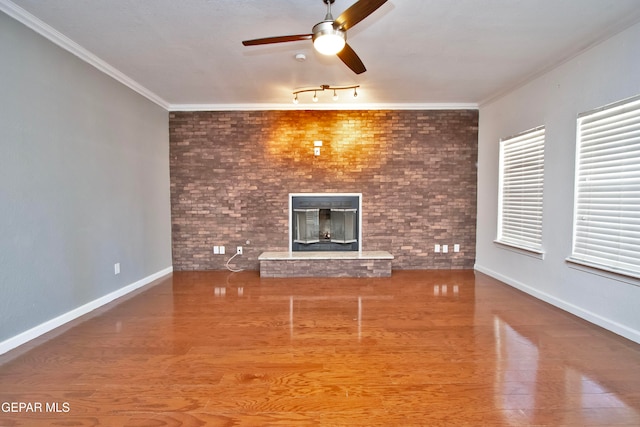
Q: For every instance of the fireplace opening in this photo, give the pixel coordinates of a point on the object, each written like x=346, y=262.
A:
x=325, y=222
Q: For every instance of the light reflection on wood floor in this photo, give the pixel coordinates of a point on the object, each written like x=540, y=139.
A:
x=433, y=348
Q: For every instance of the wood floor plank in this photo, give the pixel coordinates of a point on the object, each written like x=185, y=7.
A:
x=433, y=348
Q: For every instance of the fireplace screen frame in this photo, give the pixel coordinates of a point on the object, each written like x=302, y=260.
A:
x=308, y=214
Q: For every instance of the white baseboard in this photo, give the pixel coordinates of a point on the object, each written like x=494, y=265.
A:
x=587, y=315
x=49, y=325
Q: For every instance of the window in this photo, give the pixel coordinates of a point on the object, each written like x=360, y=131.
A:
x=520, y=192
x=606, y=231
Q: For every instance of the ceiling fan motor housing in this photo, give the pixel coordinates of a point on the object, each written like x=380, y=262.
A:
x=327, y=39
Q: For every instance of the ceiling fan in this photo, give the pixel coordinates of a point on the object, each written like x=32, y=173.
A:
x=330, y=36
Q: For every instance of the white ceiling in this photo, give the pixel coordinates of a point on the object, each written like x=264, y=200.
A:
x=188, y=54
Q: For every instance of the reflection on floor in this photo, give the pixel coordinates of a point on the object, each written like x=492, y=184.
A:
x=435, y=348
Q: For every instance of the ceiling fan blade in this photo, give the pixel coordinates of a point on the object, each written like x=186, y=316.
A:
x=356, y=13
x=279, y=39
x=351, y=59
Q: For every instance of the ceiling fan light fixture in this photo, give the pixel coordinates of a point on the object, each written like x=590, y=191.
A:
x=327, y=40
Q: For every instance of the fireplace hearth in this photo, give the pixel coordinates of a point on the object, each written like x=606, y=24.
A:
x=325, y=222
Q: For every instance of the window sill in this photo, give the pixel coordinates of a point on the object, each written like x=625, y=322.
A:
x=533, y=253
x=625, y=276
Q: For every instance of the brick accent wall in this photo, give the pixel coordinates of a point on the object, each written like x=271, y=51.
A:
x=232, y=172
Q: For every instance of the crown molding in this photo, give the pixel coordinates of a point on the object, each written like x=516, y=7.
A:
x=48, y=32
x=288, y=106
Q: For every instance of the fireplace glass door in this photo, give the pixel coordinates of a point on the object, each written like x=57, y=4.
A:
x=307, y=225
x=343, y=225
x=324, y=223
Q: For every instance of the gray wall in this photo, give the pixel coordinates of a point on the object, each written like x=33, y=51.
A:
x=84, y=182
x=604, y=74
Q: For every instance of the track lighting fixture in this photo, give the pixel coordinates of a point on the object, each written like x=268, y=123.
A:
x=322, y=88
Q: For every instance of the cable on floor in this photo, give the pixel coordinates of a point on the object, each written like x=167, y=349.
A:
x=235, y=270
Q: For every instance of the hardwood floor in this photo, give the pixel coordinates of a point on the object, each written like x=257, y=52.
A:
x=433, y=348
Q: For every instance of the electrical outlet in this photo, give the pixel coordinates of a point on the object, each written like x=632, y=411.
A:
x=239, y=250
x=456, y=248
x=222, y=250
x=445, y=249
x=437, y=249
x=116, y=268
x=216, y=250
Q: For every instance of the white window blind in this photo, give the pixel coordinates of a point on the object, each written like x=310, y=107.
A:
x=607, y=204
x=520, y=193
